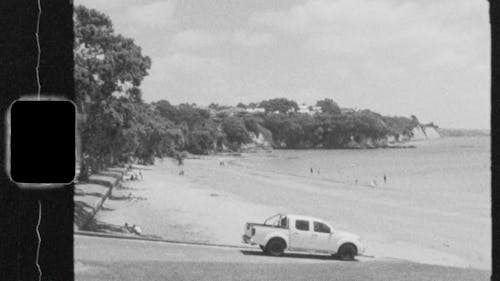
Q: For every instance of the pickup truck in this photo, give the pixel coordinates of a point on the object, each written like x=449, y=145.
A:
x=301, y=233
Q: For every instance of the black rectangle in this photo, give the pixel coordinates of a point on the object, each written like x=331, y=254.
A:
x=42, y=141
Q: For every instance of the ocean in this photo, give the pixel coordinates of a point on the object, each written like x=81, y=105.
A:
x=433, y=207
x=455, y=170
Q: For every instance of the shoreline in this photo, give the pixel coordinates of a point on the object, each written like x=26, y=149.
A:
x=211, y=203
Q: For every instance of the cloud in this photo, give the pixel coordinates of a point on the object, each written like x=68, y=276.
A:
x=193, y=39
x=156, y=14
x=392, y=31
x=200, y=39
x=248, y=39
x=193, y=63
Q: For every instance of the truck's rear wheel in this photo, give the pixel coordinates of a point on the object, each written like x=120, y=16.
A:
x=347, y=252
x=275, y=247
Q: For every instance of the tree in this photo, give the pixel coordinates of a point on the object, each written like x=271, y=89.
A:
x=328, y=106
x=191, y=115
x=281, y=105
x=200, y=141
x=252, y=105
x=166, y=110
x=105, y=63
x=235, y=130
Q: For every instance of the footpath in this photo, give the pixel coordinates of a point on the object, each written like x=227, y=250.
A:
x=89, y=196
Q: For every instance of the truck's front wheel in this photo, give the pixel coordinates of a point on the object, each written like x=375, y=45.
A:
x=276, y=247
x=347, y=252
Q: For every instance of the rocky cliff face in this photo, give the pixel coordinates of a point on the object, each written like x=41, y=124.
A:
x=262, y=139
x=423, y=132
x=432, y=133
x=418, y=133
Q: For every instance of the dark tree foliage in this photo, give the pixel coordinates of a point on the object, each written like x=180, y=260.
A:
x=216, y=106
x=166, y=110
x=107, y=63
x=328, y=106
x=399, y=125
x=235, y=130
x=252, y=123
x=200, y=141
x=333, y=129
x=190, y=115
x=253, y=105
x=281, y=105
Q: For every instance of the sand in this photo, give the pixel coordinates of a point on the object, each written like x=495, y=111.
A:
x=178, y=208
x=211, y=203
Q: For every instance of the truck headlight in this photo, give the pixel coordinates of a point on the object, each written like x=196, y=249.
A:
x=362, y=244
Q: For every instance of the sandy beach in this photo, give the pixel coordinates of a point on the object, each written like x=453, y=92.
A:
x=211, y=203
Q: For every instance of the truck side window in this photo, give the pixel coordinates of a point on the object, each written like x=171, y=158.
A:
x=283, y=223
x=302, y=225
x=321, y=227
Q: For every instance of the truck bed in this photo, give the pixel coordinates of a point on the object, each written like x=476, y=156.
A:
x=250, y=224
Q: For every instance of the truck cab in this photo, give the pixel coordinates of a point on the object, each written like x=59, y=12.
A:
x=301, y=233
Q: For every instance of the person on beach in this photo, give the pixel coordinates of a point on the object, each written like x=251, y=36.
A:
x=128, y=228
x=385, y=179
x=318, y=171
x=137, y=230
x=180, y=161
x=312, y=171
x=140, y=174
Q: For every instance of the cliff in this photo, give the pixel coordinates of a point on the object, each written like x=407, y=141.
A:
x=262, y=138
x=424, y=132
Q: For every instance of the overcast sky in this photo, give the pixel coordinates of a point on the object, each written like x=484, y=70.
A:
x=430, y=58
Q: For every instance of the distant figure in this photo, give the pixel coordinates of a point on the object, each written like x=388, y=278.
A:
x=128, y=228
x=356, y=181
x=136, y=229
x=180, y=161
x=312, y=171
x=385, y=179
x=221, y=163
x=140, y=174
x=318, y=171
x=181, y=173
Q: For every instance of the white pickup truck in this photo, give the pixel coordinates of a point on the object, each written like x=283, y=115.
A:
x=300, y=233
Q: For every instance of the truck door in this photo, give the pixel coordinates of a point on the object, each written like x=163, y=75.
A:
x=300, y=235
x=322, y=238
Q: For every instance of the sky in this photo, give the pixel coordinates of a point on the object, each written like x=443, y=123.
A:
x=430, y=58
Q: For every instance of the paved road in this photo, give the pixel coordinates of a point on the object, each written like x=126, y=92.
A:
x=98, y=258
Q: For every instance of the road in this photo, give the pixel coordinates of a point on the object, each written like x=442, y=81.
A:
x=98, y=258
